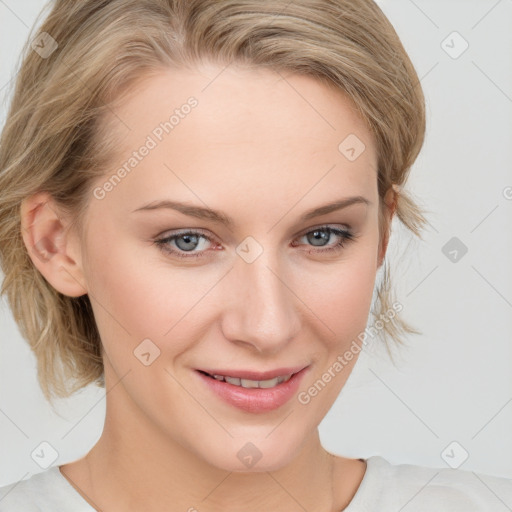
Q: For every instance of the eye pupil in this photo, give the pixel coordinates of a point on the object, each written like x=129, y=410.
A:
x=189, y=239
x=320, y=235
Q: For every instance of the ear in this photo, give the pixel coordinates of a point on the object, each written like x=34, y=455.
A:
x=390, y=199
x=53, y=249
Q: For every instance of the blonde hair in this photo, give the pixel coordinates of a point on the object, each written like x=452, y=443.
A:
x=54, y=139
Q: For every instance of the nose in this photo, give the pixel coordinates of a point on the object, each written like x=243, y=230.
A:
x=261, y=308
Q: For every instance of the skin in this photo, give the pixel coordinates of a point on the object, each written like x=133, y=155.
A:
x=263, y=152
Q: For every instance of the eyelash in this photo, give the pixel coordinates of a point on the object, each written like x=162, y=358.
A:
x=345, y=236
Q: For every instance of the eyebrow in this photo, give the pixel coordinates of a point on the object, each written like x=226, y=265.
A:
x=221, y=218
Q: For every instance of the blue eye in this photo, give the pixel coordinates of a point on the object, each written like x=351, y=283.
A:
x=325, y=233
x=189, y=240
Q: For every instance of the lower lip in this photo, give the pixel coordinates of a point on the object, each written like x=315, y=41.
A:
x=255, y=399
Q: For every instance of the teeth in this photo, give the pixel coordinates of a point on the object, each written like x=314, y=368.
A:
x=270, y=383
x=247, y=383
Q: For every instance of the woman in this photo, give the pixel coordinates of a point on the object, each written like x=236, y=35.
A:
x=197, y=196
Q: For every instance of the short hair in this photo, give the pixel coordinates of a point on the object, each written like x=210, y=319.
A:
x=55, y=138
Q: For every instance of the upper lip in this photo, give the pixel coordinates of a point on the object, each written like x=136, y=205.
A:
x=253, y=375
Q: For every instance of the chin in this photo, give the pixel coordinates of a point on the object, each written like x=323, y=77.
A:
x=243, y=455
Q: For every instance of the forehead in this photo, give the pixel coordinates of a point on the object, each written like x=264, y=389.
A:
x=216, y=131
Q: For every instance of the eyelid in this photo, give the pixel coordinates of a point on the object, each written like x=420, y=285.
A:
x=183, y=231
x=209, y=237
x=342, y=227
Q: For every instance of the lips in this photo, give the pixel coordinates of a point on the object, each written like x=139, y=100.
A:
x=246, y=392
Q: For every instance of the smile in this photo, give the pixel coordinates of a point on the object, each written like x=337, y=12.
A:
x=253, y=392
x=248, y=383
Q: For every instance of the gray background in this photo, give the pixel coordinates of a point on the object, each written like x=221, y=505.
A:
x=448, y=401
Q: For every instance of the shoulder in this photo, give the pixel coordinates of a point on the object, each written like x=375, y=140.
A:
x=421, y=488
x=48, y=490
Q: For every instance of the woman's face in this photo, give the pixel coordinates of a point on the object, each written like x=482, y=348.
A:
x=269, y=294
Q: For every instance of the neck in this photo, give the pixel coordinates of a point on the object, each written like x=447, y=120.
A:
x=135, y=466
x=127, y=474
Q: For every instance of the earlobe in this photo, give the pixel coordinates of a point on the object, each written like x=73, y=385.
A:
x=51, y=247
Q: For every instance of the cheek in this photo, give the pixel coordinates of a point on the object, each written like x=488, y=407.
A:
x=136, y=295
x=340, y=294
x=122, y=286
x=341, y=300
x=130, y=300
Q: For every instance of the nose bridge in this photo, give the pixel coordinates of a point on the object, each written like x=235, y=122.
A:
x=262, y=311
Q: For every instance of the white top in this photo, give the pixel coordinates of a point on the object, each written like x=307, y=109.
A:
x=385, y=487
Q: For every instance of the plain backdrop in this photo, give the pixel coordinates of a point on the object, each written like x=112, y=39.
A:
x=447, y=401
